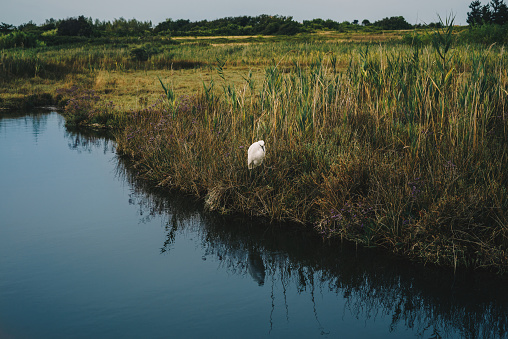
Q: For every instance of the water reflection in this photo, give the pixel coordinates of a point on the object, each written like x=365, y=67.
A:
x=256, y=266
x=431, y=302
x=87, y=142
x=35, y=122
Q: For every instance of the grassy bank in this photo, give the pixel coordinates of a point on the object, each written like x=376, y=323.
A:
x=405, y=149
x=390, y=145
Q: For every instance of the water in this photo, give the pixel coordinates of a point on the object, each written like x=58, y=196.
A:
x=87, y=251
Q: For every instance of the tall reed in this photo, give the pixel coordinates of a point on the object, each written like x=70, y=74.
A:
x=403, y=147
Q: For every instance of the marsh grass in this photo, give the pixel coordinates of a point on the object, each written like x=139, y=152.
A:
x=29, y=74
x=404, y=149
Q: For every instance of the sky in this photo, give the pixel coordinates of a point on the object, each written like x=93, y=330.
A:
x=414, y=11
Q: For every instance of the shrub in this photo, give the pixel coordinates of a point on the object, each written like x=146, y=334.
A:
x=18, y=39
x=144, y=53
x=416, y=39
x=486, y=34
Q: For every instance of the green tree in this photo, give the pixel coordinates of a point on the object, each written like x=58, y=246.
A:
x=499, y=12
x=393, y=23
x=496, y=12
x=75, y=27
x=6, y=28
x=475, y=16
x=28, y=27
x=486, y=15
x=49, y=25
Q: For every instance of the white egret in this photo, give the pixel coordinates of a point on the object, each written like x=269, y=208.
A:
x=256, y=154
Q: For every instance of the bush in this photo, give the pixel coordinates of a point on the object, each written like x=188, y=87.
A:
x=486, y=34
x=416, y=39
x=58, y=40
x=144, y=53
x=18, y=39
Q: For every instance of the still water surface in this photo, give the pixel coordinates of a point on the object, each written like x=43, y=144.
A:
x=87, y=251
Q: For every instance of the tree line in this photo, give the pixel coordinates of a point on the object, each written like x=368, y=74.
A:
x=489, y=23
x=51, y=31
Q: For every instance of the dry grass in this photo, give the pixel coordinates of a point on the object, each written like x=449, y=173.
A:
x=137, y=89
x=372, y=37
x=130, y=89
x=111, y=71
x=228, y=37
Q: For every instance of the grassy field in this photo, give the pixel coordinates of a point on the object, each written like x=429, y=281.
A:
x=396, y=145
x=29, y=75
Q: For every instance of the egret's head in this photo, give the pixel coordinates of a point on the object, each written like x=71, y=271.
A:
x=262, y=144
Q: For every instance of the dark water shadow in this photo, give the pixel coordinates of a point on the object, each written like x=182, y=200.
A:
x=431, y=302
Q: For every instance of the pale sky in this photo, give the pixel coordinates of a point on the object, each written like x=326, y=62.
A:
x=414, y=11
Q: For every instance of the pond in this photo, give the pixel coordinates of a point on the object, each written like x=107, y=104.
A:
x=89, y=251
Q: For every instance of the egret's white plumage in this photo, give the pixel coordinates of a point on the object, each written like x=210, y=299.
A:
x=256, y=154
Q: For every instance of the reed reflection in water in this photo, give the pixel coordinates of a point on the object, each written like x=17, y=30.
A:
x=87, y=250
x=428, y=302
